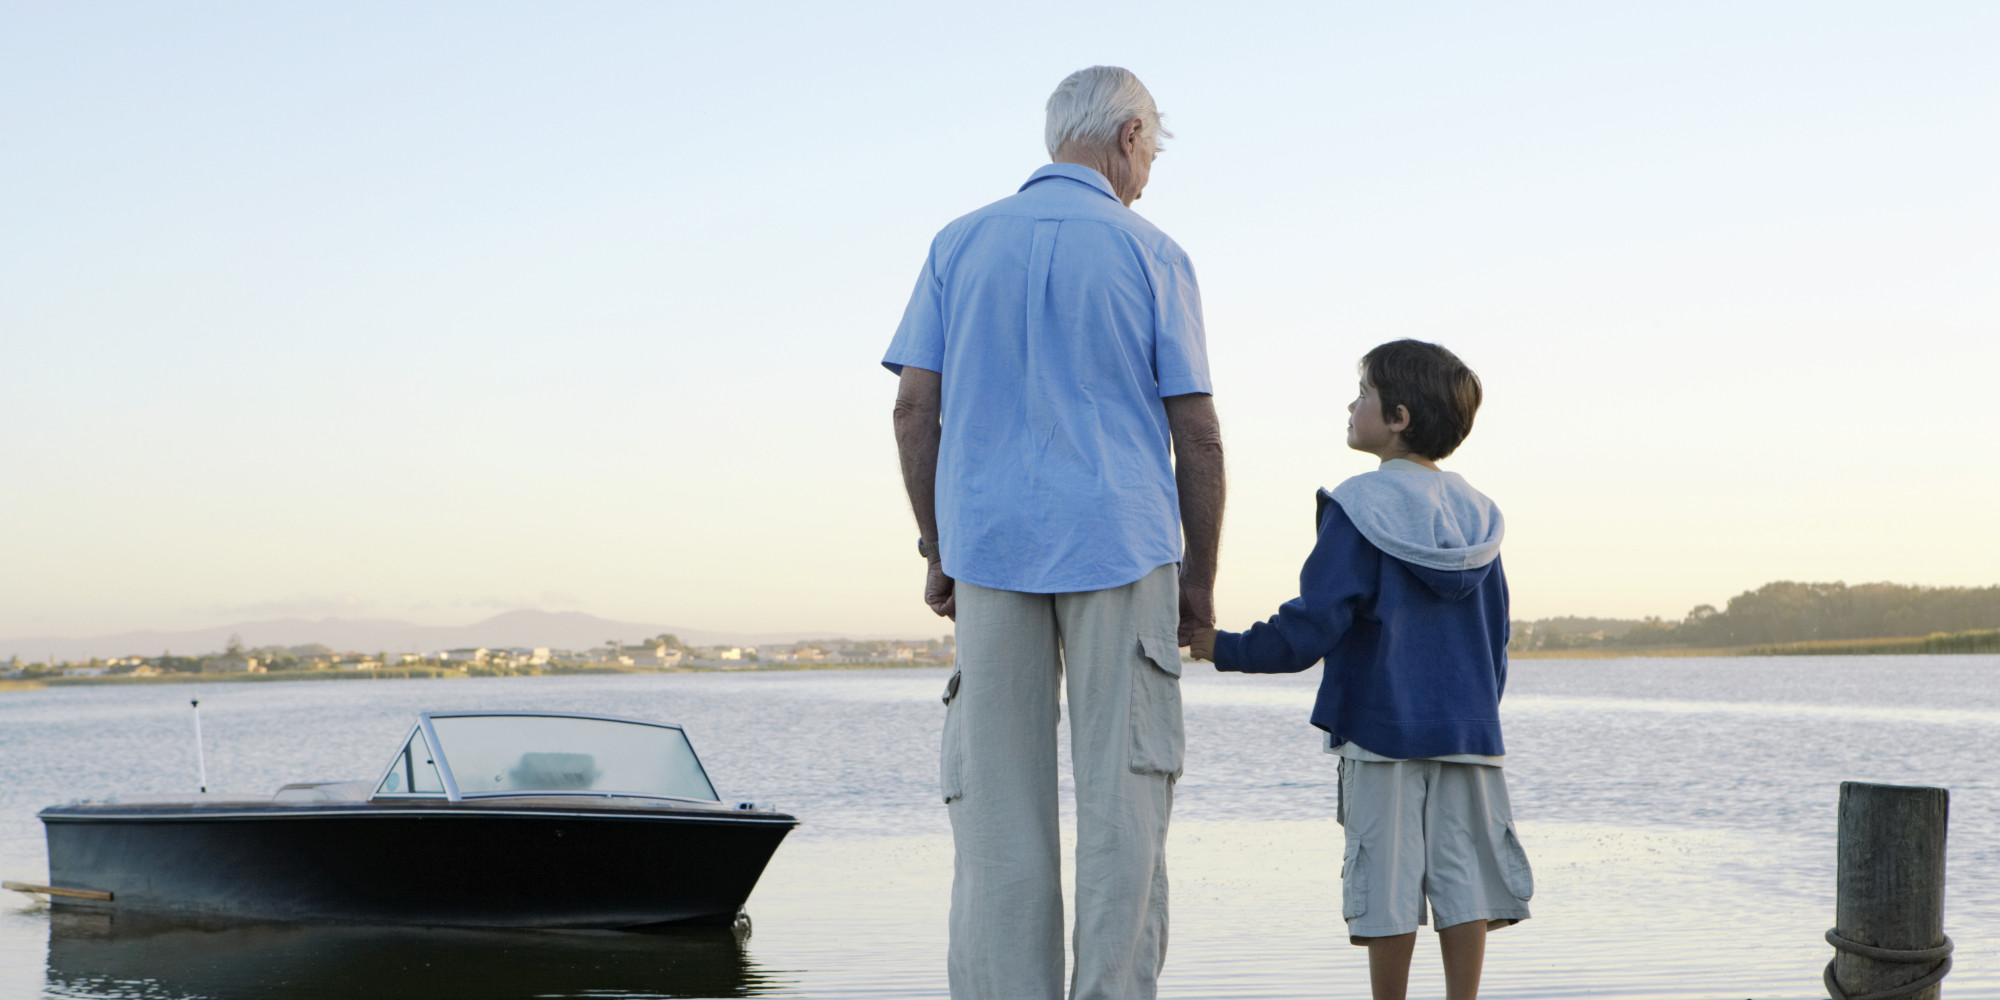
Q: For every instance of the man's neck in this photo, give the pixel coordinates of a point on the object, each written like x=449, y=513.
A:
x=1100, y=160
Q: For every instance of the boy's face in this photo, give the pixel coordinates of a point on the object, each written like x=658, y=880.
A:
x=1366, y=430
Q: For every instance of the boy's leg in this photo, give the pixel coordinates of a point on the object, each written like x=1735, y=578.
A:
x=999, y=783
x=1464, y=947
x=1382, y=870
x=1389, y=966
x=1474, y=867
x=1477, y=874
x=1126, y=744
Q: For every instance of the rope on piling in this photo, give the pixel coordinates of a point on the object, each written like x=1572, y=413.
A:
x=1900, y=956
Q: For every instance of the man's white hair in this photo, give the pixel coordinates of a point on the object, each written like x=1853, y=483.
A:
x=1090, y=105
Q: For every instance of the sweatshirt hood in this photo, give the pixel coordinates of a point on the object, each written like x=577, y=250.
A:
x=1434, y=521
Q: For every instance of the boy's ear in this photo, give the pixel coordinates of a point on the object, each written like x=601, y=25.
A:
x=1401, y=421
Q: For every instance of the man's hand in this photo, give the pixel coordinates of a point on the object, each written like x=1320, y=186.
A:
x=1197, y=611
x=941, y=592
x=1202, y=646
x=919, y=403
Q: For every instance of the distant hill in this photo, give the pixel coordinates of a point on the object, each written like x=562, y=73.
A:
x=1784, y=612
x=554, y=629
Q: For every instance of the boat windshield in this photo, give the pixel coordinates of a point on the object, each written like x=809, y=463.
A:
x=542, y=753
x=414, y=772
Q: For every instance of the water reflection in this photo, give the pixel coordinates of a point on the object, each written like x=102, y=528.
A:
x=105, y=955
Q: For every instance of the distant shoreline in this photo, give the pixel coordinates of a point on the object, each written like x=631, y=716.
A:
x=1942, y=644
x=1866, y=647
x=1680, y=653
x=417, y=673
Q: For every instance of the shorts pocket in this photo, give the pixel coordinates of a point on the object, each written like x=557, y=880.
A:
x=951, y=768
x=1520, y=878
x=1353, y=883
x=1158, y=744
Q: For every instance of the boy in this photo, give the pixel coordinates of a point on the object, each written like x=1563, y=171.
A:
x=1404, y=598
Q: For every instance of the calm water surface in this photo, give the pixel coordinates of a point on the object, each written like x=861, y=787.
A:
x=1680, y=815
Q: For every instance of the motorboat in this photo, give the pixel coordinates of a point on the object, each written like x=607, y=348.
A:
x=480, y=819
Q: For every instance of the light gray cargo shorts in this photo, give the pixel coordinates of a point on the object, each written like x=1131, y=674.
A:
x=1428, y=831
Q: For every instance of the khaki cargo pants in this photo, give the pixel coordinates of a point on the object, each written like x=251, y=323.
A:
x=999, y=779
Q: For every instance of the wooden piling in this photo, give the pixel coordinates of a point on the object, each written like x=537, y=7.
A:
x=1889, y=914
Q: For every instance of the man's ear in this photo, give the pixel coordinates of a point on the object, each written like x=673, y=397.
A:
x=1128, y=134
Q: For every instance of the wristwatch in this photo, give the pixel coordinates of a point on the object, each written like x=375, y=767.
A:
x=926, y=549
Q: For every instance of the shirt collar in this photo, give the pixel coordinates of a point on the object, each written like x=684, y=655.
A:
x=1404, y=465
x=1076, y=172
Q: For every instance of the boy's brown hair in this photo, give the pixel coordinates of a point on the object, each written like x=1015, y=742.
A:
x=1440, y=392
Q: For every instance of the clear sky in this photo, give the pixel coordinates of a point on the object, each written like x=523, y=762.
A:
x=428, y=311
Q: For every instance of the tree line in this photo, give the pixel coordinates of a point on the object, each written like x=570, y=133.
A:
x=1784, y=611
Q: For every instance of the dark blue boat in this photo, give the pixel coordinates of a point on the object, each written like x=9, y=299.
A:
x=482, y=819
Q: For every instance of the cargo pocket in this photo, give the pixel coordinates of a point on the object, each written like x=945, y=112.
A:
x=1520, y=878
x=951, y=769
x=1158, y=744
x=1353, y=882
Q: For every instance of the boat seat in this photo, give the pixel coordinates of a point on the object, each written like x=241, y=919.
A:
x=555, y=772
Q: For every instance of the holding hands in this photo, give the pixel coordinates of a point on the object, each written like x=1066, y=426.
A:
x=1202, y=646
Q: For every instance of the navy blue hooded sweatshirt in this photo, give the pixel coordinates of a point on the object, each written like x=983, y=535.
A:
x=1405, y=600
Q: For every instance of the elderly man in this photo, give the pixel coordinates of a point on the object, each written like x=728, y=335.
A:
x=1057, y=438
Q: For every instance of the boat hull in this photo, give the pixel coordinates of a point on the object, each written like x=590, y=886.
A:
x=449, y=864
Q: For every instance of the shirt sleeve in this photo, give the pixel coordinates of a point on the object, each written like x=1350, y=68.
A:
x=1338, y=579
x=1180, y=343
x=919, y=339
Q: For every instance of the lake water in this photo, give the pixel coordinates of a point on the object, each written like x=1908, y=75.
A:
x=1680, y=814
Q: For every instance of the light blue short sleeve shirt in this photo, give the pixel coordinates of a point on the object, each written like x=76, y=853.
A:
x=1058, y=319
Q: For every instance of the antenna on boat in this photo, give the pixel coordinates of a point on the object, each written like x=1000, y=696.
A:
x=200, y=760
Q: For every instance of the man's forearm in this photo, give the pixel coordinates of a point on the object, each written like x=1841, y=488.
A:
x=918, y=406
x=1201, y=492
x=1198, y=476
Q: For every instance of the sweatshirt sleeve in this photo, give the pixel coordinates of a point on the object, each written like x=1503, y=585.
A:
x=1339, y=577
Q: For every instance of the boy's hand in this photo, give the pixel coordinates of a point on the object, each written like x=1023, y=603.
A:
x=1202, y=646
